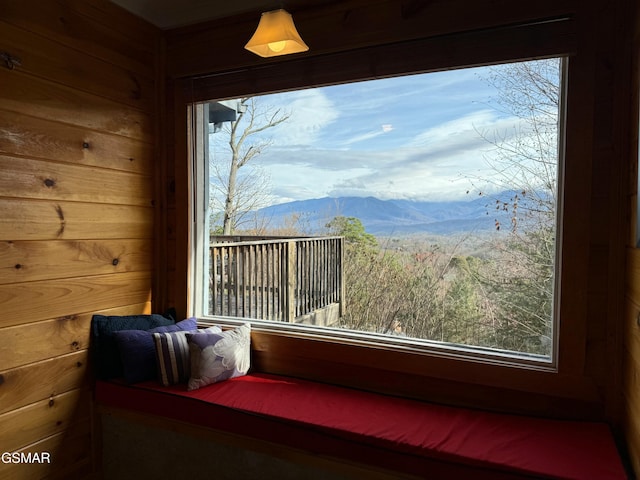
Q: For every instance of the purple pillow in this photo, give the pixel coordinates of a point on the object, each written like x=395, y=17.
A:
x=137, y=350
x=219, y=356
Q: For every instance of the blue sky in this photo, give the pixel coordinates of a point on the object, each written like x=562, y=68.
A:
x=415, y=137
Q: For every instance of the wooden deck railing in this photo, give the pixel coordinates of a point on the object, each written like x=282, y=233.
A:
x=275, y=278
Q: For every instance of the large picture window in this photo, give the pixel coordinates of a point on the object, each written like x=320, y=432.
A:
x=421, y=209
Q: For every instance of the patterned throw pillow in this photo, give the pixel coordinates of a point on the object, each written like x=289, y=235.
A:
x=219, y=356
x=172, y=355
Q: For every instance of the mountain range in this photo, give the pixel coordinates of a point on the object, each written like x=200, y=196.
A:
x=397, y=217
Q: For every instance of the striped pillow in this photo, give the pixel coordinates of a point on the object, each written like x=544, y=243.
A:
x=172, y=355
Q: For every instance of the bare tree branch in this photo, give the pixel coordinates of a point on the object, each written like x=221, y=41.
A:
x=243, y=194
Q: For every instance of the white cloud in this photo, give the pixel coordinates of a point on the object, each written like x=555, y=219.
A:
x=362, y=137
x=419, y=137
x=453, y=131
x=311, y=112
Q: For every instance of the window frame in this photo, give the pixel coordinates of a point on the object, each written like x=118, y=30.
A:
x=565, y=380
x=446, y=349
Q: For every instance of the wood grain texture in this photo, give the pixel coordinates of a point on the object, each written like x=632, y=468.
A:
x=42, y=98
x=631, y=383
x=633, y=274
x=64, y=24
x=632, y=405
x=36, y=342
x=78, y=134
x=27, y=261
x=26, y=178
x=128, y=28
x=43, y=380
x=632, y=342
x=45, y=220
x=39, y=341
x=41, y=419
x=75, y=68
x=70, y=453
x=41, y=138
x=35, y=301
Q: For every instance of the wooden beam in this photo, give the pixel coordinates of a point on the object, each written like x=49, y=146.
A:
x=341, y=26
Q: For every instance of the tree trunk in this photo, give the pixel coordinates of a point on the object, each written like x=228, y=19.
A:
x=229, y=220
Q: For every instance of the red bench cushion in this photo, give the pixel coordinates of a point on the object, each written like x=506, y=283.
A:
x=508, y=444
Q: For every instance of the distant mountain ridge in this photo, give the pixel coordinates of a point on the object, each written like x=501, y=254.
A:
x=393, y=217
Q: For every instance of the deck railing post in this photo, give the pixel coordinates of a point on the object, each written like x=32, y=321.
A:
x=290, y=312
x=340, y=272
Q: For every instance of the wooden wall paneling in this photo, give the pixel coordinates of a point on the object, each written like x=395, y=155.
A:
x=73, y=68
x=632, y=333
x=172, y=285
x=632, y=217
x=40, y=98
x=130, y=49
x=47, y=220
x=27, y=261
x=596, y=365
x=49, y=140
x=180, y=196
x=42, y=419
x=161, y=252
x=42, y=179
x=161, y=182
x=41, y=300
x=169, y=188
x=631, y=392
x=631, y=381
x=43, y=380
x=121, y=22
x=78, y=140
x=634, y=140
x=34, y=342
x=617, y=81
x=631, y=385
x=70, y=452
x=633, y=274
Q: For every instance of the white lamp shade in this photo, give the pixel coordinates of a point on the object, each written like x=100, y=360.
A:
x=276, y=35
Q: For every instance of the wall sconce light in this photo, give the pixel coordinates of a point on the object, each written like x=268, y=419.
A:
x=276, y=35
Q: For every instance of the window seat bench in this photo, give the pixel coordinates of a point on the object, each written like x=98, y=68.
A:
x=400, y=435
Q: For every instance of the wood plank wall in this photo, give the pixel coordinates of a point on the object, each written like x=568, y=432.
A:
x=77, y=204
x=631, y=352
